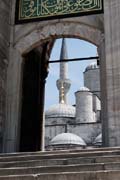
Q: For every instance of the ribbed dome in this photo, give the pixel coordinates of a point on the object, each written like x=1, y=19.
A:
x=60, y=110
x=98, y=140
x=93, y=65
x=67, y=139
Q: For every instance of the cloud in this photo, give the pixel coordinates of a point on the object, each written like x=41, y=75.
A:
x=54, y=70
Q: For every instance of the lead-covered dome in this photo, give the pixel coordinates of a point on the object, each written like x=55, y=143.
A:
x=67, y=139
x=98, y=140
x=84, y=89
x=60, y=110
x=93, y=65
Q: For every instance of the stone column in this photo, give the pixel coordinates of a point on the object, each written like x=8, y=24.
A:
x=103, y=89
x=41, y=106
x=11, y=132
x=43, y=66
x=112, y=73
x=4, y=58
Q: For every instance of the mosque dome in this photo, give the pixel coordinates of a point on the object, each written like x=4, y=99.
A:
x=60, y=110
x=93, y=65
x=67, y=139
x=84, y=89
x=98, y=140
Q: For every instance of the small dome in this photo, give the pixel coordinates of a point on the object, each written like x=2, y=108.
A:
x=98, y=140
x=93, y=65
x=60, y=110
x=84, y=89
x=67, y=139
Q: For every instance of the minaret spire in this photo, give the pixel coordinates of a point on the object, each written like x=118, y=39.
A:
x=63, y=65
x=63, y=84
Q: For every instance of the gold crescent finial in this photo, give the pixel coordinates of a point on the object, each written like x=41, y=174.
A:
x=62, y=94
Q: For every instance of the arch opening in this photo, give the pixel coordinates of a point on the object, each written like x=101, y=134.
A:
x=32, y=112
x=61, y=117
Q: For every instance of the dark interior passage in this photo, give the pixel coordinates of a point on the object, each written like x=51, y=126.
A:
x=30, y=117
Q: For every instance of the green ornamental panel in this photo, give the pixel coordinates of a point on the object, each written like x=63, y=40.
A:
x=48, y=9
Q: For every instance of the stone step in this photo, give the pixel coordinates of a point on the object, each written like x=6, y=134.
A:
x=58, y=152
x=69, y=154
x=47, y=162
x=60, y=169
x=61, y=161
x=98, y=175
x=52, y=165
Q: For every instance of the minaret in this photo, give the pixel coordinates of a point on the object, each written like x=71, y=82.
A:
x=63, y=84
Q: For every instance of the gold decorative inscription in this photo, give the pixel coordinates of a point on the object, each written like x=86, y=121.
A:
x=30, y=9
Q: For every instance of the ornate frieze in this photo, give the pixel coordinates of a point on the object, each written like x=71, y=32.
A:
x=27, y=10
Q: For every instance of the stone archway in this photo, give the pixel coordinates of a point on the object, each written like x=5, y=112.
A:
x=17, y=46
x=57, y=30
x=34, y=40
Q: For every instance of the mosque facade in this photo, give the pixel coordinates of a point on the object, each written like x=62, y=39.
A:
x=24, y=57
x=62, y=120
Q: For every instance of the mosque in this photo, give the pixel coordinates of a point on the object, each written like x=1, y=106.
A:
x=25, y=50
x=75, y=126
x=25, y=47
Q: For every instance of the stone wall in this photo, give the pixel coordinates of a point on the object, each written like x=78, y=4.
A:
x=87, y=131
x=4, y=53
x=111, y=79
x=26, y=37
